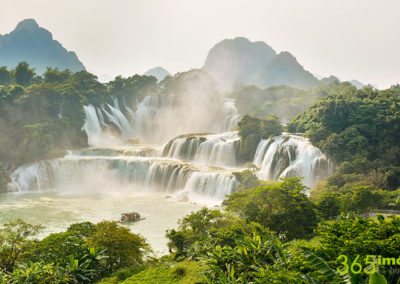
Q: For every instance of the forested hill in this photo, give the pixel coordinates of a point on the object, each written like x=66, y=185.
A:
x=360, y=131
x=43, y=115
x=31, y=43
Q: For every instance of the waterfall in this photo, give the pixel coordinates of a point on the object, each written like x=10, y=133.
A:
x=212, y=149
x=139, y=173
x=36, y=176
x=92, y=125
x=119, y=119
x=157, y=118
x=230, y=117
x=146, y=120
x=215, y=184
x=291, y=155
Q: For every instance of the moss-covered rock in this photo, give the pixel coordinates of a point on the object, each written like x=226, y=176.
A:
x=252, y=130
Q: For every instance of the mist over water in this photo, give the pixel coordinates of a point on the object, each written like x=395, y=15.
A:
x=163, y=156
x=192, y=105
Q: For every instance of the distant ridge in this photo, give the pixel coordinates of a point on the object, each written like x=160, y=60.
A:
x=237, y=61
x=240, y=61
x=357, y=84
x=35, y=45
x=158, y=72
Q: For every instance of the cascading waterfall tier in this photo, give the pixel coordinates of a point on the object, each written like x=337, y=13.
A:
x=138, y=173
x=153, y=121
x=230, y=118
x=291, y=155
x=36, y=176
x=192, y=165
x=211, y=149
x=139, y=151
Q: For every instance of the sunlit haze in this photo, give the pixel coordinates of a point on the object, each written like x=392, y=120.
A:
x=349, y=39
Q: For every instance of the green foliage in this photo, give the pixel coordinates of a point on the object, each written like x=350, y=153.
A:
x=61, y=247
x=53, y=75
x=282, y=207
x=329, y=205
x=200, y=231
x=252, y=130
x=255, y=259
x=359, y=128
x=281, y=101
x=23, y=75
x=352, y=235
x=43, y=117
x=185, y=272
x=132, y=89
x=5, y=76
x=247, y=179
x=85, y=252
x=331, y=201
x=322, y=267
x=377, y=278
x=36, y=272
x=15, y=239
x=122, y=247
x=192, y=228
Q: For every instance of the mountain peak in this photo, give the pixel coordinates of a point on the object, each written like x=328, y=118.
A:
x=158, y=72
x=284, y=69
x=27, y=24
x=31, y=43
x=237, y=61
x=286, y=57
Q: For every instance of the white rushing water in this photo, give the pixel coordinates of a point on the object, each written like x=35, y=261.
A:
x=138, y=173
x=161, y=182
x=157, y=118
x=291, y=155
x=212, y=149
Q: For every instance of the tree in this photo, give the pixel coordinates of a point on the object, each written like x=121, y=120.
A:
x=353, y=235
x=282, y=207
x=23, y=75
x=87, y=85
x=252, y=130
x=15, y=239
x=53, y=75
x=329, y=206
x=123, y=248
x=193, y=228
x=5, y=76
x=359, y=128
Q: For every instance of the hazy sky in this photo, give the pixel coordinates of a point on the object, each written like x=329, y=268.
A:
x=352, y=39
